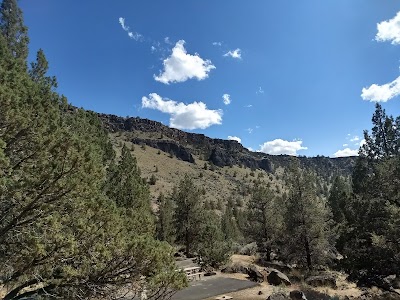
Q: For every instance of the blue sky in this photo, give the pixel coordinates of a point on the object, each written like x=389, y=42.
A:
x=283, y=76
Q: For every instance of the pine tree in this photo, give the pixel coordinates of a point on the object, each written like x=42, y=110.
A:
x=264, y=219
x=188, y=213
x=165, y=224
x=374, y=208
x=214, y=250
x=13, y=29
x=306, y=220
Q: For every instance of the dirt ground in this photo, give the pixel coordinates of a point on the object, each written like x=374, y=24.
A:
x=344, y=288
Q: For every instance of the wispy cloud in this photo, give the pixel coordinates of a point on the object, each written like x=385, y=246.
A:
x=248, y=105
x=133, y=35
x=279, y=146
x=382, y=93
x=226, y=98
x=389, y=30
x=237, y=53
x=260, y=91
x=219, y=44
x=181, y=66
x=250, y=130
x=234, y=138
x=184, y=116
x=355, y=138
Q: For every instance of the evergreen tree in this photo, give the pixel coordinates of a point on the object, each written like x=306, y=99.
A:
x=188, y=213
x=229, y=225
x=264, y=219
x=59, y=234
x=13, y=29
x=374, y=208
x=130, y=192
x=306, y=220
x=165, y=224
x=214, y=250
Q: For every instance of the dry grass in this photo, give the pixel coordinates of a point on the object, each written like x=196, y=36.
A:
x=219, y=184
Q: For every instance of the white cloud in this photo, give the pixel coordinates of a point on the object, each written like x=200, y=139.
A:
x=234, y=138
x=181, y=66
x=133, y=35
x=355, y=138
x=167, y=40
x=237, y=53
x=226, y=98
x=345, y=145
x=250, y=149
x=184, y=116
x=153, y=49
x=260, y=91
x=389, y=30
x=346, y=152
x=382, y=93
x=279, y=146
x=248, y=106
x=250, y=130
x=219, y=44
x=361, y=143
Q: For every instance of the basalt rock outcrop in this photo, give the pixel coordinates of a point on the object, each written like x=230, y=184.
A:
x=185, y=145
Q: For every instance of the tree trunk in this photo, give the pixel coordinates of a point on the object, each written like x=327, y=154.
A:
x=269, y=253
x=308, y=253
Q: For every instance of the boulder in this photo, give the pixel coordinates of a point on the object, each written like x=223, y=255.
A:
x=255, y=274
x=235, y=268
x=393, y=281
x=322, y=280
x=278, y=296
x=278, y=265
x=276, y=277
x=297, y=295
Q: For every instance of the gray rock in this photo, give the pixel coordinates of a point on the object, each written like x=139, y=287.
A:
x=278, y=296
x=255, y=274
x=297, y=295
x=276, y=277
x=321, y=280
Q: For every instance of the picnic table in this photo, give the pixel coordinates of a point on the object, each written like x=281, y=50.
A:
x=193, y=272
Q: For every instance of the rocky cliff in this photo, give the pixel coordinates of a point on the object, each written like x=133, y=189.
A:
x=184, y=145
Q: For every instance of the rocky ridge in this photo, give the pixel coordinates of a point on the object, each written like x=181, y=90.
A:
x=184, y=145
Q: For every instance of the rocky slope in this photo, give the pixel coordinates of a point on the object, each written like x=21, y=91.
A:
x=185, y=145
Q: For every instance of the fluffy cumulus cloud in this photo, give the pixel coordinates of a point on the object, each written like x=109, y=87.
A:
x=280, y=146
x=133, y=35
x=237, y=53
x=184, y=116
x=226, y=98
x=381, y=93
x=389, y=30
x=181, y=66
x=346, y=152
x=234, y=138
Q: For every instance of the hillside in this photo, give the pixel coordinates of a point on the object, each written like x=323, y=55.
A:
x=224, y=166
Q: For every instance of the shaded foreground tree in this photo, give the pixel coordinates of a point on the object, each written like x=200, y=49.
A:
x=306, y=220
x=63, y=231
x=374, y=208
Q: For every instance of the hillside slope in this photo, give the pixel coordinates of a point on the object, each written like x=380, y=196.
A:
x=224, y=167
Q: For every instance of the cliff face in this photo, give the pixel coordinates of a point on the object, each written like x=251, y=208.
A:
x=220, y=152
